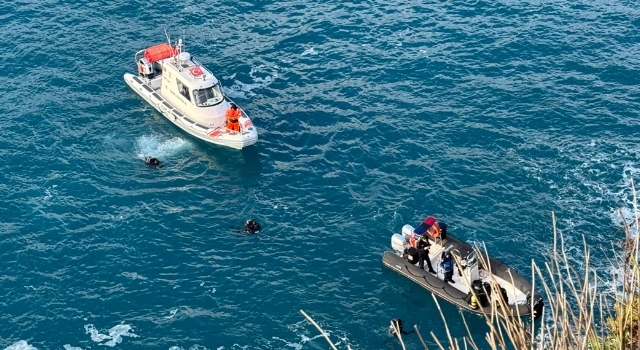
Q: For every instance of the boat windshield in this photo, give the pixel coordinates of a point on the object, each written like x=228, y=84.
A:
x=472, y=258
x=209, y=96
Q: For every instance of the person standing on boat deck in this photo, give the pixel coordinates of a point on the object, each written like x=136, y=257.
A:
x=233, y=115
x=423, y=253
x=447, y=265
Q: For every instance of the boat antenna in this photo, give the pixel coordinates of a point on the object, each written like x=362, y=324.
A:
x=167, y=35
x=183, y=36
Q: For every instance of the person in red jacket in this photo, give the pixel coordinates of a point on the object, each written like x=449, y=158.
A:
x=233, y=115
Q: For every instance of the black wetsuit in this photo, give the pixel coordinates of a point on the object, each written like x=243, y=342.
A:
x=423, y=251
x=398, y=323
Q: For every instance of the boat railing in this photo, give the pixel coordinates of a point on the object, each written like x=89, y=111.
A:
x=138, y=55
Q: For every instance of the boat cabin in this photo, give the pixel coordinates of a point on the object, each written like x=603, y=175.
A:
x=184, y=83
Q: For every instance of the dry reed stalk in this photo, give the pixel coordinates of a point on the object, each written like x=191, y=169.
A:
x=446, y=326
x=396, y=328
x=319, y=329
x=415, y=326
x=573, y=306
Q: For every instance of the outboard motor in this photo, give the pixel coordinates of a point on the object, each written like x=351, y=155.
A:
x=398, y=243
x=538, y=306
x=407, y=231
x=145, y=68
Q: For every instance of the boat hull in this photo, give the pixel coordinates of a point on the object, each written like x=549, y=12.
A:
x=218, y=136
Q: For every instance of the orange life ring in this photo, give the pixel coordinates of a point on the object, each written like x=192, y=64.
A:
x=434, y=231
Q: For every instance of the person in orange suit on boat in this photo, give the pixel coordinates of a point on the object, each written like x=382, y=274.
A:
x=233, y=115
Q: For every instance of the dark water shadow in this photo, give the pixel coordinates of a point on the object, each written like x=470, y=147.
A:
x=245, y=164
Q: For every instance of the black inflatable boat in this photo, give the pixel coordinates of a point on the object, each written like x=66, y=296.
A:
x=469, y=274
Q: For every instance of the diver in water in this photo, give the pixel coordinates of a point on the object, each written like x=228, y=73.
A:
x=252, y=226
x=152, y=162
x=396, y=326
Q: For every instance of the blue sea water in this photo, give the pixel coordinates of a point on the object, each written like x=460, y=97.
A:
x=487, y=114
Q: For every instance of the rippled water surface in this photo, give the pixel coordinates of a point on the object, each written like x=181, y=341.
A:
x=489, y=115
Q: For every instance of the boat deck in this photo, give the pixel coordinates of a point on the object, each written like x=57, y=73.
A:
x=515, y=296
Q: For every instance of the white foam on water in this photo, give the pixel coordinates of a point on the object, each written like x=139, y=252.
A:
x=155, y=146
x=172, y=313
x=301, y=331
x=262, y=76
x=296, y=346
x=626, y=213
x=299, y=345
x=228, y=77
x=133, y=276
x=115, y=334
x=629, y=216
x=309, y=51
x=20, y=345
x=95, y=335
x=269, y=77
x=50, y=192
x=69, y=347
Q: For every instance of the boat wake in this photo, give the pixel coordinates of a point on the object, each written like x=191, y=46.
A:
x=157, y=147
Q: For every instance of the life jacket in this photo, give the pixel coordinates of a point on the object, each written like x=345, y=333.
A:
x=434, y=230
x=447, y=264
x=233, y=115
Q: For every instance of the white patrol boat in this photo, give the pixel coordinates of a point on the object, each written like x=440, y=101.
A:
x=188, y=94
